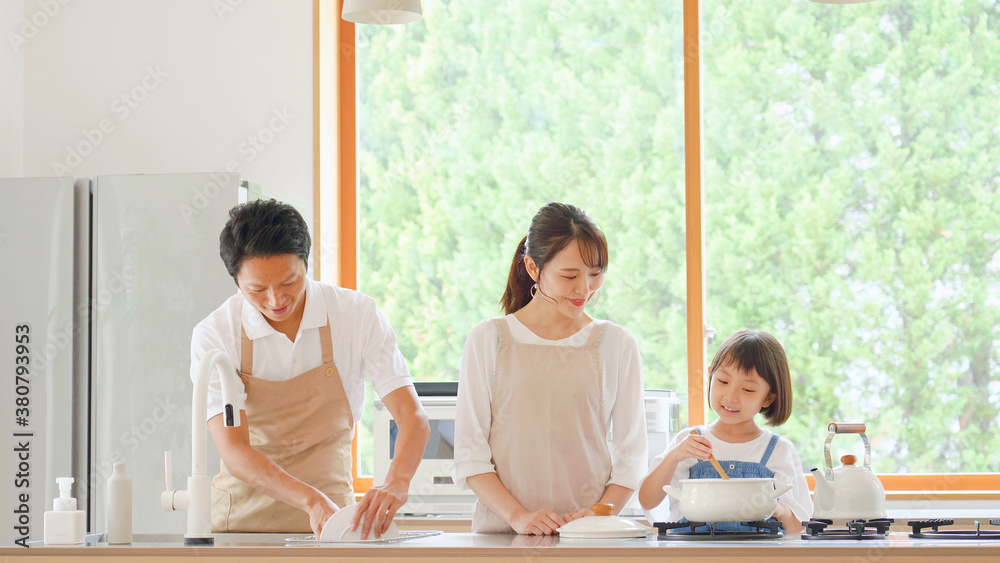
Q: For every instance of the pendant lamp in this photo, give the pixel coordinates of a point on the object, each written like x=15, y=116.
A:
x=382, y=12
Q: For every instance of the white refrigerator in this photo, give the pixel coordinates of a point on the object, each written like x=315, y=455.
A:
x=145, y=252
x=43, y=333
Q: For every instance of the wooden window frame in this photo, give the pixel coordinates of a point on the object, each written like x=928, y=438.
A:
x=334, y=55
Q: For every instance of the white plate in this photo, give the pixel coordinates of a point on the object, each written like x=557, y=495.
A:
x=338, y=528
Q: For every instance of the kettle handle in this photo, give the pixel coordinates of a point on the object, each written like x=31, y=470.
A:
x=846, y=428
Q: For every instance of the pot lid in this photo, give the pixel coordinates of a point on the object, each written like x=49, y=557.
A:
x=603, y=527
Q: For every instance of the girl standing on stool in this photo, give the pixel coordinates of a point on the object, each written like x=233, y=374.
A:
x=540, y=388
x=749, y=374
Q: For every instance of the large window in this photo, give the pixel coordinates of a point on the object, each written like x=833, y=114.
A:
x=852, y=208
x=473, y=118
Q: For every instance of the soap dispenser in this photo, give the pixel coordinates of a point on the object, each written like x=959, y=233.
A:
x=64, y=524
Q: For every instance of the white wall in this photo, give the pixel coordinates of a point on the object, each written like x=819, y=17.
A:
x=162, y=86
x=11, y=91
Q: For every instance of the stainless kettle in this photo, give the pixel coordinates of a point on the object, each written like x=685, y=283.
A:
x=848, y=492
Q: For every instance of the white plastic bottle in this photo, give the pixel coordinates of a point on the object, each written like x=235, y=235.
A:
x=119, y=506
x=64, y=524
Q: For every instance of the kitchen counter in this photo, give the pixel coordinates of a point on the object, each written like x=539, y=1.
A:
x=443, y=548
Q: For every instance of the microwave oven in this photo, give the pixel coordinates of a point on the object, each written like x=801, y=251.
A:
x=433, y=491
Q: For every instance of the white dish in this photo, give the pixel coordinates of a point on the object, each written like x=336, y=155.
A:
x=338, y=528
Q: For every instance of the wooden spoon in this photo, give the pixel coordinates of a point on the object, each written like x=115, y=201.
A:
x=712, y=460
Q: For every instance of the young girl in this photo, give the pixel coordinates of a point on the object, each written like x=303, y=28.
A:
x=749, y=374
x=540, y=388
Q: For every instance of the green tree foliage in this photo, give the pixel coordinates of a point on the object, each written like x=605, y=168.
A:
x=852, y=178
x=852, y=168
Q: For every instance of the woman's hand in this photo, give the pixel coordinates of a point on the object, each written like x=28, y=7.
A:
x=540, y=522
x=319, y=512
x=379, y=506
x=577, y=515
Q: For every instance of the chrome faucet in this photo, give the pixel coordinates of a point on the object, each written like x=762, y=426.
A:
x=197, y=499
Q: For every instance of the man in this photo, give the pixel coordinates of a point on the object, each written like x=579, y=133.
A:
x=303, y=349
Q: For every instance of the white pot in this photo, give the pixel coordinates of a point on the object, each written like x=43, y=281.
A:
x=727, y=500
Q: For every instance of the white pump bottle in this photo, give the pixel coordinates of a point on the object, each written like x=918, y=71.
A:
x=64, y=524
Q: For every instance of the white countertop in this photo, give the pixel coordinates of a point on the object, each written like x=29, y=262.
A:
x=459, y=545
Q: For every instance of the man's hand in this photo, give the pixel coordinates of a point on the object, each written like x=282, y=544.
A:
x=319, y=512
x=379, y=506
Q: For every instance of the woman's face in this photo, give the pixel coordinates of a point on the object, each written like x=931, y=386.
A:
x=566, y=280
x=274, y=285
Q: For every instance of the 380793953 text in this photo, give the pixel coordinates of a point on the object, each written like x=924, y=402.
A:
x=22, y=434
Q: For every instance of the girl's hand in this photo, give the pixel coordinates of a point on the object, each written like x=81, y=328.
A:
x=651, y=490
x=539, y=523
x=789, y=522
x=695, y=445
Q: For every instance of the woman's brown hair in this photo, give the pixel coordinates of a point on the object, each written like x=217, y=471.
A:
x=552, y=229
x=757, y=350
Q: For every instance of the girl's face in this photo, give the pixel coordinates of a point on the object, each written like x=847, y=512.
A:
x=737, y=395
x=567, y=280
x=274, y=285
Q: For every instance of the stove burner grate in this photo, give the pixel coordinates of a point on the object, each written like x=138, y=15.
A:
x=686, y=531
x=855, y=530
x=920, y=530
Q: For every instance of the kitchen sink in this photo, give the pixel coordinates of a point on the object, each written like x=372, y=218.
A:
x=220, y=539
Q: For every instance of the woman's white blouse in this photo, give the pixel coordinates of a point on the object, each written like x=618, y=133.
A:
x=624, y=406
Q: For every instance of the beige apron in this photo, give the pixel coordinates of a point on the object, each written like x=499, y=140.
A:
x=304, y=425
x=547, y=433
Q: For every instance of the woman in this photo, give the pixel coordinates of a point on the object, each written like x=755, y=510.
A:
x=541, y=387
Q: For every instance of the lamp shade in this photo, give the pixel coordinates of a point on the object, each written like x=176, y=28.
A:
x=382, y=12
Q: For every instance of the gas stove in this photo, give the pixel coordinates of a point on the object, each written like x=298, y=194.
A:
x=687, y=531
x=854, y=530
x=932, y=529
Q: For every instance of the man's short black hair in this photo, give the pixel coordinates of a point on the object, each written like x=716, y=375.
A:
x=263, y=228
